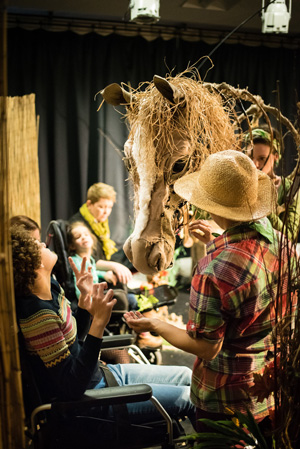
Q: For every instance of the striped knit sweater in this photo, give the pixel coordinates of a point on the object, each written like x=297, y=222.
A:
x=64, y=368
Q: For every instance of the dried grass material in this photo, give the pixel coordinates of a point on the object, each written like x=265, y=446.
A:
x=257, y=110
x=23, y=169
x=200, y=117
x=11, y=400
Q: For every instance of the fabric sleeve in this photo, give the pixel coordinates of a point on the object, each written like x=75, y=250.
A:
x=292, y=222
x=101, y=275
x=69, y=366
x=293, y=216
x=83, y=321
x=205, y=314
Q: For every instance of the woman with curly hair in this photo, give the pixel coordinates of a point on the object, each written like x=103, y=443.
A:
x=27, y=259
x=63, y=366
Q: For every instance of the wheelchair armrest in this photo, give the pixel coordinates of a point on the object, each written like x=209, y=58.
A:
x=96, y=398
x=105, y=396
x=117, y=341
x=119, y=395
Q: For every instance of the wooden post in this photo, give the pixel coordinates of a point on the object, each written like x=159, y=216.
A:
x=11, y=398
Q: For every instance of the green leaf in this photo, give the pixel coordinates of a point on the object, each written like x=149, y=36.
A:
x=146, y=302
x=228, y=428
x=217, y=444
x=226, y=434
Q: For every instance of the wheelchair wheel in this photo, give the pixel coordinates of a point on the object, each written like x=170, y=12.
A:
x=153, y=355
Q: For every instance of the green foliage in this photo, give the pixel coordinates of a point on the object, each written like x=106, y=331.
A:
x=146, y=302
x=242, y=431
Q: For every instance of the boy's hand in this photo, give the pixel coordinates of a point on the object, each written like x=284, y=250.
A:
x=138, y=322
x=201, y=230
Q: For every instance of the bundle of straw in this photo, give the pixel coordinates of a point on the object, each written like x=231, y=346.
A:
x=19, y=194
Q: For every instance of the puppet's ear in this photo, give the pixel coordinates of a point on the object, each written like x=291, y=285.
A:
x=168, y=91
x=115, y=95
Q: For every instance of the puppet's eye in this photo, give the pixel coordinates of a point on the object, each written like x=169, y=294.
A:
x=178, y=166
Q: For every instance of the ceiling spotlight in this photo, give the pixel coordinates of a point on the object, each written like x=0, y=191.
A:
x=275, y=18
x=144, y=11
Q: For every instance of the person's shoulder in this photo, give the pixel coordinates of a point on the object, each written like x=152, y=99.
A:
x=285, y=183
x=93, y=261
x=76, y=258
x=32, y=307
x=76, y=217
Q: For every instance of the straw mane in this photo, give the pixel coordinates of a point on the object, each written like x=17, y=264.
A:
x=175, y=123
x=199, y=116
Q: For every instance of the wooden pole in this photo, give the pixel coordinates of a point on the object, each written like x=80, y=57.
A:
x=11, y=398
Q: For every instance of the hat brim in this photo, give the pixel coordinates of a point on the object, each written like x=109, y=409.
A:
x=189, y=188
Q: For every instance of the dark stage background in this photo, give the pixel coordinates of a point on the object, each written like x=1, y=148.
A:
x=78, y=145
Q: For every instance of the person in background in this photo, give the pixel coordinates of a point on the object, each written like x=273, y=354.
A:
x=80, y=244
x=264, y=150
x=94, y=213
x=65, y=367
x=234, y=288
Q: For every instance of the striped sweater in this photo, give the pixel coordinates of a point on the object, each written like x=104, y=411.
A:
x=64, y=368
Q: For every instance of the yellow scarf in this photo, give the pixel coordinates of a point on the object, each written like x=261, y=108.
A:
x=101, y=229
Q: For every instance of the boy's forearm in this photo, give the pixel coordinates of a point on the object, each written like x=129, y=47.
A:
x=181, y=340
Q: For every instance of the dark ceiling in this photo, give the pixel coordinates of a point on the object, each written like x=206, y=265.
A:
x=200, y=14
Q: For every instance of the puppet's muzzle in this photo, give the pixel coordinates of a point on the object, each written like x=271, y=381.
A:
x=149, y=257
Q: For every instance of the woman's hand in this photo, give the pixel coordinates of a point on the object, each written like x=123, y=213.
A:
x=123, y=273
x=201, y=230
x=100, y=306
x=110, y=277
x=138, y=322
x=84, y=278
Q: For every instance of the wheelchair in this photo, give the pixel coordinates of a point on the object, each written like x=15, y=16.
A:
x=56, y=239
x=76, y=425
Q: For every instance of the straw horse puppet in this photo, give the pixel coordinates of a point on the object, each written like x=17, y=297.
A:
x=175, y=123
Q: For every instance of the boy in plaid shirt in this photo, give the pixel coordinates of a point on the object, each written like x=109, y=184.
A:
x=234, y=288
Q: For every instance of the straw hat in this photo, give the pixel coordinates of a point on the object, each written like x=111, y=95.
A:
x=230, y=186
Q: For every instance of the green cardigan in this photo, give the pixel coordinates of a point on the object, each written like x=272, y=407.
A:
x=292, y=221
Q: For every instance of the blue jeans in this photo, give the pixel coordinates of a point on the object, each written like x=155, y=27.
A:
x=170, y=385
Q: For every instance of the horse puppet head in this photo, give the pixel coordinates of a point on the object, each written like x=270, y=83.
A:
x=175, y=123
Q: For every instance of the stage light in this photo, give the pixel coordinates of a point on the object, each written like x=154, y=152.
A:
x=144, y=11
x=276, y=17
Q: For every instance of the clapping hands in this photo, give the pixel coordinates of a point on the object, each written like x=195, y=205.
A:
x=92, y=297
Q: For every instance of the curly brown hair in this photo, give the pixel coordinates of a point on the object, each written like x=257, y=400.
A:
x=22, y=220
x=26, y=256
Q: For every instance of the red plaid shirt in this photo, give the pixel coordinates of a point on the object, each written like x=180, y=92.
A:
x=233, y=297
